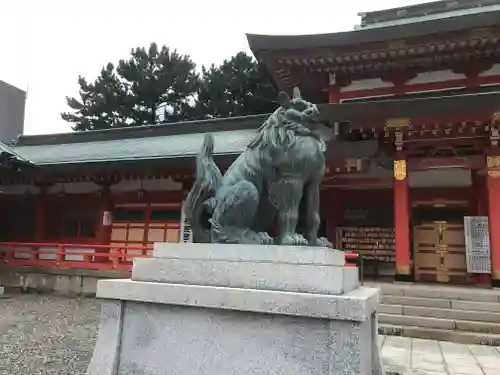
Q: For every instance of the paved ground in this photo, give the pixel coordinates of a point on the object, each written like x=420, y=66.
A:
x=426, y=357
x=46, y=334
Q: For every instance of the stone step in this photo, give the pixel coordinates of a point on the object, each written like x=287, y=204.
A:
x=441, y=303
x=474, y=294
x=433, y=312
x=440, y=334
x=439, y=323
x=467, y=315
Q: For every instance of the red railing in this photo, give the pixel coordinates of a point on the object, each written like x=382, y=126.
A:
x=85, y=256
x=351, y=259
x=94, y=257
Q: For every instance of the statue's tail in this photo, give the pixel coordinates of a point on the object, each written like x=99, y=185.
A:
x=200, y=201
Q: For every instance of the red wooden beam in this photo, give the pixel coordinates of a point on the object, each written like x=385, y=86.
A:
x=420, y=87
x=356, y=182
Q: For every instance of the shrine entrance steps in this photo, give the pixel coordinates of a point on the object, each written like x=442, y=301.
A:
x=464, y=315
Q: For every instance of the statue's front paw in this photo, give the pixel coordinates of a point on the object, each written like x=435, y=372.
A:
x=294, y=240
x=264, y=238
x=300, y=240
x=256, y=238
x=321, y=242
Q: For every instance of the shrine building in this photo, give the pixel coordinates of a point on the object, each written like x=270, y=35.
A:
x=411, y=106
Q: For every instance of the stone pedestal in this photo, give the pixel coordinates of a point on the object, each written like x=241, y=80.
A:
x=237, y=309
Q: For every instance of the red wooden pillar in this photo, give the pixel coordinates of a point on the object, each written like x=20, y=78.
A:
x=478, y=207
x=493, y=188
x=103, y=232
x=334, y=94
x=40, y=216
x=402, y=221
x=103, y=227
x=331, y=212
x=41, y=204
x=478, y=193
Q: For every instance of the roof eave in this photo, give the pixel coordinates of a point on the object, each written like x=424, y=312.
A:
x=131, y=160
x=14, y=156
x=260, y=43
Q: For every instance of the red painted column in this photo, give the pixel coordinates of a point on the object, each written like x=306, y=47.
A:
x=41, y=213
x=40, y=210
x=332, y=212
x=493, y=188
x=478, y=207
x=334, y=94
x=103, y=232
x=103, y=229
x=402, y=221
x=478, y=193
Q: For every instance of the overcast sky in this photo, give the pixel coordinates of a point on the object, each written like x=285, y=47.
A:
x=46, y=44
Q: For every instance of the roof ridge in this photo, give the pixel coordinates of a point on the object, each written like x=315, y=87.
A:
x=145, y=131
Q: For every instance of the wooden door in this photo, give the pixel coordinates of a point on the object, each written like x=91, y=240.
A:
x=439, y=252
x=425, y=255
x=144, y=224
x=454, y=257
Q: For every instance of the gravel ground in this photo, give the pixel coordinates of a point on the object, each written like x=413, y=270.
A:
x=47, y=334
x=55, y=335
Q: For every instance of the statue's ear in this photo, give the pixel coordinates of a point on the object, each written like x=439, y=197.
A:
x=283, y=99
x=296, y=93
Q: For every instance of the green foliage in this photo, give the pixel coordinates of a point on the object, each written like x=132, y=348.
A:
x=101, y=104
x=134, y=92
x=155, y=78
x=238, y=87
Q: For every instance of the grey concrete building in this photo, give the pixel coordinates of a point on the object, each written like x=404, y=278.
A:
x=12, y=105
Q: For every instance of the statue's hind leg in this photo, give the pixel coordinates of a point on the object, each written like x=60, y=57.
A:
x=234, y=214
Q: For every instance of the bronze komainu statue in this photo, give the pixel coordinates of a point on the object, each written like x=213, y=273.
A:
x=275, y=180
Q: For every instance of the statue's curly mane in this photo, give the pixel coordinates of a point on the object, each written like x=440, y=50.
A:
x=278, y=132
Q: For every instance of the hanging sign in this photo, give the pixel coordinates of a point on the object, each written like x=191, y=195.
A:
x=186, y=232
x=477, y=244
x=107, y=218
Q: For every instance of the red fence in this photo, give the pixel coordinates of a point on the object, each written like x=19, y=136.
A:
x=94, y=257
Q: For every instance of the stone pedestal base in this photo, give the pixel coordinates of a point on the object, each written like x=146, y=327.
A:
x=243, y=313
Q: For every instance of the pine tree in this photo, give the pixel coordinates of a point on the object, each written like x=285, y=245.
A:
x=156, y=79
x=101, y=104
x=132, y=93
x=238, y=87
x=161, y=81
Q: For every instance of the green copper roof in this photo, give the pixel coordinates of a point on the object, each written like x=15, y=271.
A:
x=8, y=150
x=144, y=148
